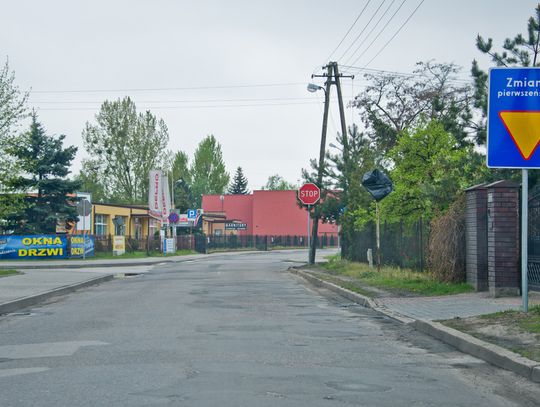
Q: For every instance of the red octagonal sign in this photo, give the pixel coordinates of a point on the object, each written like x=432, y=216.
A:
x=309, y=194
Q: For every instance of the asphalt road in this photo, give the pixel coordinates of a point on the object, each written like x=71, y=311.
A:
x=233, y=331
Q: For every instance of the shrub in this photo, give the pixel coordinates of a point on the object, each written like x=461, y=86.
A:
x=446, y=257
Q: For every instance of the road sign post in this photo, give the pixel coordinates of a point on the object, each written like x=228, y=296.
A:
x=514, y=136
x=309, y=194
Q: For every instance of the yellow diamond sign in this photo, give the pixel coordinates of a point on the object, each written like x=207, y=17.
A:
x=524, y=127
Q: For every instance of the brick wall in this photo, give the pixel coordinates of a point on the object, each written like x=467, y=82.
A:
x=476, y=237
x=503, y=238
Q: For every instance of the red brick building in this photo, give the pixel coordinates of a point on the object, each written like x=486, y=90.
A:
x=264, y=213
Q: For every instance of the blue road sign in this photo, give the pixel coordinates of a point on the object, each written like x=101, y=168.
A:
x=192, y=214
x=513, y=118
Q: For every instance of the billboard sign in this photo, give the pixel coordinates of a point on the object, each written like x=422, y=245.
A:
x=235, y=226
x=81, y=244
x=33, y=247
x=155, y=194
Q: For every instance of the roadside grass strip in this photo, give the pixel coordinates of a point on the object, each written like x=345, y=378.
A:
x=394, y=279
x=4, y=273
x=514, y=330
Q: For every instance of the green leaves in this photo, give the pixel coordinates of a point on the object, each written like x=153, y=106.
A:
x=125, y=146
x=208, y=172
x=239, y=184
x=43, y=192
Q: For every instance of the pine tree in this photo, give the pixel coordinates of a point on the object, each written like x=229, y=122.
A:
x=239, y=184
x=45, y=165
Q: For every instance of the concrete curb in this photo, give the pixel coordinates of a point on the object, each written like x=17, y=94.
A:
x=488, y=352
x=24, y=302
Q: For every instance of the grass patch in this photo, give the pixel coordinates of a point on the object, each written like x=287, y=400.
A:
x=4, y=273
x=393, y=278
x=346, y=284
x=514, y=330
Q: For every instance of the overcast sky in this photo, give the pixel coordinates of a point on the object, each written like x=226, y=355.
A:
x=196, y=63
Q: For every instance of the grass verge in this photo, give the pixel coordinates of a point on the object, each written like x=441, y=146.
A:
x=516, y=331
x=396, y=280
x=4, y=273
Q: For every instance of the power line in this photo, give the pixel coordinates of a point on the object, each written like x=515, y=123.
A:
x=171, y=88
x=363, y=29
x=395, y=73
x=396, y=33
x=188, y=107
x=178, y=101
x=380, y=32
x=371, y=31
x=349, y=30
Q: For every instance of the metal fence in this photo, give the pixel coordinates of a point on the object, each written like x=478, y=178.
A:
x=204, y=244
x=403, y=244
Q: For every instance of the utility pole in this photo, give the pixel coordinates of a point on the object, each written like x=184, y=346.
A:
x=332, y=78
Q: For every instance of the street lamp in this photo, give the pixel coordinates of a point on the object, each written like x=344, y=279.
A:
x=311, y=87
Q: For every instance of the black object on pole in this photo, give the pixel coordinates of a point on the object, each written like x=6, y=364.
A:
x=377, y=184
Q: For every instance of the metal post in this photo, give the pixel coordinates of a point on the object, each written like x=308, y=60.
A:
x=524, y=243
x=378, y=233
x=308, y=229
x=84, y=230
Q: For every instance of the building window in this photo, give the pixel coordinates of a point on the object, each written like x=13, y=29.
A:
x=119, y=225
x=101, y=225
x=153, y=227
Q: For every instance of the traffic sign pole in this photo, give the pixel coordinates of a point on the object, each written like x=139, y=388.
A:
x=308, y=228
x=524, y=242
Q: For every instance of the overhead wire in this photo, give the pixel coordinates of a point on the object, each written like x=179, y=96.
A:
x=349, y=30
x=171, y=88
x=396, y=33
x=361, y=32
x=370, y=31
x=379, y=33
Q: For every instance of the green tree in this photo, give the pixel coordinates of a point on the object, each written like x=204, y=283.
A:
x=12, y=111
x=349, y=203
x=45, y=165
x=91, y=182
x=393, y=103
x=12, y=103
x=208, y=170
x=239, y=183
x=430, y=169
x=125, y=146
x=181, y=176
x=522, y=50
x=277, y=183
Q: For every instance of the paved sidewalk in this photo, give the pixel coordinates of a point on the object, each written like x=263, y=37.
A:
x=447, y=307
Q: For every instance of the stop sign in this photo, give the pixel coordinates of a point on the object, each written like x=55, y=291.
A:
x=309, y=194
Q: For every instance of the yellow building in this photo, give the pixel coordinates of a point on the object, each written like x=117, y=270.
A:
x=122, y=220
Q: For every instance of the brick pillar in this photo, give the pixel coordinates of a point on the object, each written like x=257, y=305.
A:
x=503, y=238
x=476, y=237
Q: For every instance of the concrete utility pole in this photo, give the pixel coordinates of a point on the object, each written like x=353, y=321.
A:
x=332, y=73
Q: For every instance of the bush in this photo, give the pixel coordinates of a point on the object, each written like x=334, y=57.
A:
x=446, y=258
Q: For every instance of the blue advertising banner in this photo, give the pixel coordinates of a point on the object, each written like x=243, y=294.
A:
x=33, y=247
x=513, y=118
x=78, y=246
